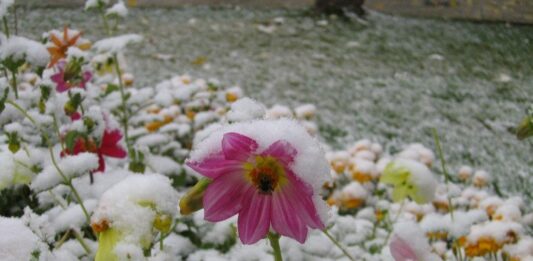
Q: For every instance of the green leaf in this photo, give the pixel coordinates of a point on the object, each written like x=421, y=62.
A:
x=70, y=140
x=110, y=88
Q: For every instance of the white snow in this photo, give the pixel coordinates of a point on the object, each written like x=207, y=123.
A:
x=131, y=205
x=17, y=241
x=70, y=166
x=21, y=48
x=246, y=109
x=4, y=6
x=118, y=9
x=117, y=43
x=412, y=234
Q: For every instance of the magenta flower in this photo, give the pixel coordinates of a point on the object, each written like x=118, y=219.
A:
x=401, y=251
x=260, y=187
x=69, y=76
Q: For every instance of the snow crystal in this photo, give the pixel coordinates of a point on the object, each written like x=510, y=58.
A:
x=309, y=164
x=17, y=241
x=246, y=109
x=117, y=43
x=70, y=166
x=19, y=48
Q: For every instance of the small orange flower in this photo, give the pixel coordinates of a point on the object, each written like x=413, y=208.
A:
x=59, y=44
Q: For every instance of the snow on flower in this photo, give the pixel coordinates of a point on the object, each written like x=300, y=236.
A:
x=60, y=42
x=117, y=43
x=410, y=179
x=19, y=48
x=246, y=109
x=267, y=172
x=128, y=213
x=118, y=9
x=409, y=244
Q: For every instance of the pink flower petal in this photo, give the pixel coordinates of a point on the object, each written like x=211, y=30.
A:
x=401, y=251
x=299, y=198
x=215, y=165
x=284, y=219
x=254, y=217
x=61, y=85
x=281, y=150
x=237, y=146
x=222, y=198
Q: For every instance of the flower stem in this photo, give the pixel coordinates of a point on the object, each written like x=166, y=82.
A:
x=274, y=242
x=53, y=158
x=125, y=116
x=395, y=220
x=444, y=170
x=344, y=251
x=14, y=84
x=82, y=242
x=6, y=27
x=16, y=19
x=106, y=24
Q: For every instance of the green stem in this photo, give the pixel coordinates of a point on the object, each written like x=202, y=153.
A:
x=106, y=24
x=82, y=241
x=53, y=158
x=344, y=251
x=393, y=221
x=16, y=19
x=58, y=133
x=444, y=170
x=161, y=242
x=14, y=84
x=62, y=239
x=6, y=27
x=274, y=242
x=125, y=116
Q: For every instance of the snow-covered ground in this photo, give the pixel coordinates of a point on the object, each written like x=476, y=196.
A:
x=389, y=79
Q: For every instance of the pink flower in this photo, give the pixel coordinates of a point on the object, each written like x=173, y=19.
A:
x=260, y=187
x=70, y=76
x=401, y=251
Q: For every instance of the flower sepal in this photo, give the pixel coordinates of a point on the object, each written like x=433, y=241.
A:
x=193, y=199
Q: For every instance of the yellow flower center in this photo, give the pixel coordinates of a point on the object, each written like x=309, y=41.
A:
x=266, y=174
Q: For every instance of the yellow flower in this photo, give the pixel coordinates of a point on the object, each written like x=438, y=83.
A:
x=410, y=179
